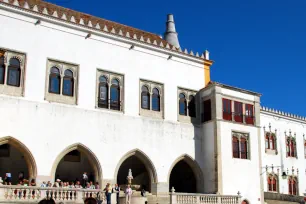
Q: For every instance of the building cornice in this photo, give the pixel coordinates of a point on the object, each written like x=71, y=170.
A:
x=61, y=18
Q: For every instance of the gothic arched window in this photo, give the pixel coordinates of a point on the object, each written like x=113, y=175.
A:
x=291, y=147
x=191, y=106
x=2, y=70
x=182, y=104
x=272, y=183
x=155, y=100
x=68, y=83
x=115, y=95
x=103, y=92
x=292, y=185
x=54, y=80
x=14, y=71
x=145, y=98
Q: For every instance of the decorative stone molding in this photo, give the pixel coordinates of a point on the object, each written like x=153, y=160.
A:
x=188, y=93
x=85, y=20
x=62, y=66
x=150, y=112
x=6, y=88
x=272, y=137
x=110, y=76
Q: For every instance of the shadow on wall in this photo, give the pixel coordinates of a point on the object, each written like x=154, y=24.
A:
x=186, y=175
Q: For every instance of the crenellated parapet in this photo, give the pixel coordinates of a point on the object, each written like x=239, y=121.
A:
x=282, y=113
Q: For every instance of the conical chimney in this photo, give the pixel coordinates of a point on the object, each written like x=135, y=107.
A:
x=171, y=35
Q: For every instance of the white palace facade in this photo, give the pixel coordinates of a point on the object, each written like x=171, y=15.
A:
x=83, y=94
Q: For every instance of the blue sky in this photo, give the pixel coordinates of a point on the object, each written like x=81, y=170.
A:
x=259, y=45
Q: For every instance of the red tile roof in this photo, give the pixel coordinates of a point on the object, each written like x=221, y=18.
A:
x=45, y=8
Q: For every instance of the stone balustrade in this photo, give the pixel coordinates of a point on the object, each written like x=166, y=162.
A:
x=24, y=194
x=189, y=198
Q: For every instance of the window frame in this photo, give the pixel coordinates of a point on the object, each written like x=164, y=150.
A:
x=183, y=101
x=115, y=104
x=53, y=76
x=241, y=137
x=145, y=94
x=13, y=68
x=103, y=103
x=238, y=112
x=150, y=112
x=192, y=106
x=62, y=66
x=187, y=116
x=249, y=118
x=109, y=104
x=273, y=185
x=157, y=98
x=293, y=185
x=5, y=88
x=70, y=79
x=227, y=109
x=207, y=112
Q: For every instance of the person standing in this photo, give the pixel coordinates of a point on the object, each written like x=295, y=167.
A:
x=128, y=194
x=108, y=193
x=84, y=179
x=117, y=189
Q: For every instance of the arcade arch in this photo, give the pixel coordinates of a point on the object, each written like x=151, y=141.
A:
x=185, y=175
x=16, y=158
x=143, y=170
x=79, y=158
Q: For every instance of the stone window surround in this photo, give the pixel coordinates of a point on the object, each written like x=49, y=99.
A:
x=240, y=134
x=13, y=90
x=187, y=93
x=271, y=151
x=271, y=176
x=110, y=75
x=295, y=178
x=62, y=66
x=293, y=139
x=151, y=85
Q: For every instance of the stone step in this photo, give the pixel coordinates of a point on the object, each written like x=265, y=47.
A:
x=158, y=199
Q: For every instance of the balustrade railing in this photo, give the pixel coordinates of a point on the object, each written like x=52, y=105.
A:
x=189, y=198
x=36, y=194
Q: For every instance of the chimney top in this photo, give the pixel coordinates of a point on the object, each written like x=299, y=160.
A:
x=171, y=35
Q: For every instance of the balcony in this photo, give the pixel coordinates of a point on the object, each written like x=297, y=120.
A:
x=24, y=194
x=190, y=198
x=238, y=118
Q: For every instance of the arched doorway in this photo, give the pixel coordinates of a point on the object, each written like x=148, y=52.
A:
x=70, y=165
x=16, y=159
x=143, y=170
x=186, y=176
